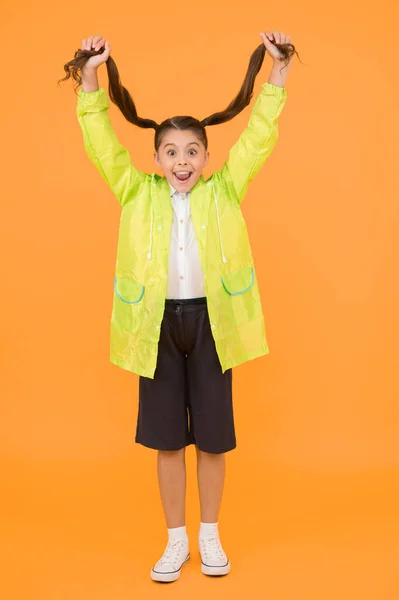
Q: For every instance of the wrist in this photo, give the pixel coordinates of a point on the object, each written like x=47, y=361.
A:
x=89, y=79
x=279, y=73
x=280, y=64
x=89, y=71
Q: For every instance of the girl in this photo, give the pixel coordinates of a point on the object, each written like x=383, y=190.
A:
x=186, y=303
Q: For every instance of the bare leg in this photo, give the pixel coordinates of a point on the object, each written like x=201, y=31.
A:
x=211, y=475
x=172, y=486
x=211, y=469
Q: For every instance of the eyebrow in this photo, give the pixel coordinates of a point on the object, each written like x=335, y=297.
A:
x=189, y=144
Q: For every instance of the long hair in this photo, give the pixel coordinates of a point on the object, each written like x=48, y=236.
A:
x=123, y=100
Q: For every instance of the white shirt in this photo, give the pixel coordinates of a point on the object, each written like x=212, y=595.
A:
x=185, y=276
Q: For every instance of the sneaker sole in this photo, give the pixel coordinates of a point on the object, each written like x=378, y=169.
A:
x=168, y=577
x=215, y=571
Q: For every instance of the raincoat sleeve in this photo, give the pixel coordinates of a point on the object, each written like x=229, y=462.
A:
x=103, y=148
x=257, y=141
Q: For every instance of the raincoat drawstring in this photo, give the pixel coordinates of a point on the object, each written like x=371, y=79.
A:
x=224, y=259
x=149, y=255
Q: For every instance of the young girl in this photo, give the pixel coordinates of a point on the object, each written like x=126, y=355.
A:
x=186, y=303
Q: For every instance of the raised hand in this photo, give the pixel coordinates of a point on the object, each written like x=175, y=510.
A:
x=270, y=39
x=95, y=44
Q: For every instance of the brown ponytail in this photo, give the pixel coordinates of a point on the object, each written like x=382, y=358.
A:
x=244, y=96
x=118, y=94
x=121, y=97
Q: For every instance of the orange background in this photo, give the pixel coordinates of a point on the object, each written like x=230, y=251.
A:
x=311, y=502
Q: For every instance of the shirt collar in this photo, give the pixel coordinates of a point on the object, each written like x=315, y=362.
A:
x=173, y=191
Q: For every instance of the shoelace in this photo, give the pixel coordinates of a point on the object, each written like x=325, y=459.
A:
x=212, y=547
x=171, y=553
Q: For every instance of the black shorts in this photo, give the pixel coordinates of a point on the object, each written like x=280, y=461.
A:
x=189, y=401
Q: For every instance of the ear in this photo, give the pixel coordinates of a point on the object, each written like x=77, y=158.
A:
x=206, y=157
x=156, y=159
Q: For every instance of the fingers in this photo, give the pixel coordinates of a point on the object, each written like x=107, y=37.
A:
x=93, y=42
x=267, y=38
x=279, y=37
x=98, y=42
x=107, y=50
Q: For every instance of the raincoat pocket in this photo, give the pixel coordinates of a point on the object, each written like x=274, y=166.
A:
x=128, y=291
x=239, y=282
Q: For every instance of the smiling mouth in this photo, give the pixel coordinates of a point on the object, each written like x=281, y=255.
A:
x=182, y=176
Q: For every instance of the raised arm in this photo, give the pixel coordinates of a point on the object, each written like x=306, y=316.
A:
x=102, y=146
x=257, y=141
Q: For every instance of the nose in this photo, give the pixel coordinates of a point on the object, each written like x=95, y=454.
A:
x=182, y=162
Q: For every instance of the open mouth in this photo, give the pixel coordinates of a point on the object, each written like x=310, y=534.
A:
x=182, y=176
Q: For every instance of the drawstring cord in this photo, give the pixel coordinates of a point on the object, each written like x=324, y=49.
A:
x=224, y=259
x=149, y=255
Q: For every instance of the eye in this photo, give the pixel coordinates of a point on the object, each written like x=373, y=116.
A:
x=192, y=152
x=171, y=152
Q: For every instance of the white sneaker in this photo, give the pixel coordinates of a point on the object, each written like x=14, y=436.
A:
x=169, y=567
x=213, y=558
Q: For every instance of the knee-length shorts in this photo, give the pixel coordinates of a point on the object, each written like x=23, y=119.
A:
x=189, y=401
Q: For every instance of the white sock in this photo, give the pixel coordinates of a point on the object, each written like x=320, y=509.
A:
x=207, y=529
x=178, y=533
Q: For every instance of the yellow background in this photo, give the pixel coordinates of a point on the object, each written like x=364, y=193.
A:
x=311, y=502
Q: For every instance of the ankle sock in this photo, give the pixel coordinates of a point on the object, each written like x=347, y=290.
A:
x=207, y=529
x=178, y=533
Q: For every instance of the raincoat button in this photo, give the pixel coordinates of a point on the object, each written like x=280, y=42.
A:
x=204, y=227
x=213, y=326
x=158, y=327
x=159, y=228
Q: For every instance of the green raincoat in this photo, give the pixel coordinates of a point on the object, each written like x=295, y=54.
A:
x=231, y=286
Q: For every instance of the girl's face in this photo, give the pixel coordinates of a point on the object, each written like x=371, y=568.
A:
x=182, y=157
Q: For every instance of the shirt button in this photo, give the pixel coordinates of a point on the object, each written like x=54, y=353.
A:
x=181, y=277
x=181, y=248
x=181, y=220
